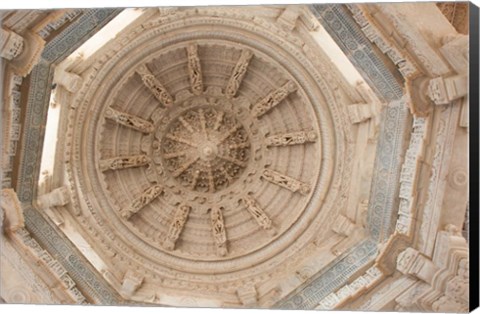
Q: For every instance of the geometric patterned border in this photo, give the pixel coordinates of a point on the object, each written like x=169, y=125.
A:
x=86, y=277
x=340, y=25
x=39, y=94
x=331, y=278
x=382, y=213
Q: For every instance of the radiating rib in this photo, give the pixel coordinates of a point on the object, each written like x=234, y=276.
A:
x=123, y=162
x=229, y=133
x=157, y=89
x=292, y=138
x=194, y=69
x=186, y=125
x=233, y=161
x=180, y=140
x=203, y=123
x=273, y=99
x=144, y=199
x=218, y=121
x=238, y=73
x=286, y=181
x=211, y=179
x=239, y=145
x=218, y=231
x=175, y=154
x=185, y=166
x=176, y=227
x=129, y=120
x=257, y=213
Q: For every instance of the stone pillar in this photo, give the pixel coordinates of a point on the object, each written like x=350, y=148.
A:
x=12, y=46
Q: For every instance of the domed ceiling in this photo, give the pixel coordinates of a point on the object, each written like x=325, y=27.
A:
x=207, y=152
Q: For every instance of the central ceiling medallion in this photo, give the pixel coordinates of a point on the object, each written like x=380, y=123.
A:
x=205, y=149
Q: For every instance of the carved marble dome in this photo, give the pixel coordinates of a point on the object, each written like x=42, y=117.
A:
x=294, y=157
x=211, y=153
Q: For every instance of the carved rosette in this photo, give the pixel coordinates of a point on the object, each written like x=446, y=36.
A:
x=211, y=153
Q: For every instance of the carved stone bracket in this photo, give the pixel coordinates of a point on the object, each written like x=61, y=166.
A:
x=143, y=200
x=157, y=89
x=444, y=90
x=12, y=44
x=218, y=230
x=131, y=282
x=70, y=81
x=58, y=197
x=12, y=209
x=286, y=181
x=129, y=120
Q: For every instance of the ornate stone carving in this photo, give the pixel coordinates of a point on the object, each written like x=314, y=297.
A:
x=131, y=282
x=238, y=73
x=12, y=208
x=288, y=18
x=343, y=226
x=218, y=230
x=123, y=162
x=273, y=99
x=71, y=81
x=129, y=120
x=291, y=138
x=286, y=182
x=176, y=226
x=194, y=69
x=157, y=89
x=57, y=197
x=445, y=90
x=248, y=295
x=258, y=214
x=144, y=199
x=206, y=149
x=12, y=44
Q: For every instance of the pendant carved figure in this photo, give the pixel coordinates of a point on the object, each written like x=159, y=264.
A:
x=194, y=69
x=258, y=214
x=157, y=89
x=286, y=182
x=292, y=138
x=129, y=120
x=179, y=220
x=238, y=73
x=273, y=99
x=144, y=199
x=218, y=231
x=123, y=162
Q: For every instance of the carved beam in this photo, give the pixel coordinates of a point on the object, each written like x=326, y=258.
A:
x=292, y=138
x=194, y=69
x=258, y=214
x=238, y=73
x=143, y=200
x=129, y=120
x=157, y=89
x=176, y=227
x=123, y=162
x=218, y=230
x=286, y=182
x=273, y=99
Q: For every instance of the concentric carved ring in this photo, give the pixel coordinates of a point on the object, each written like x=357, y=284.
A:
x=205, y=149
